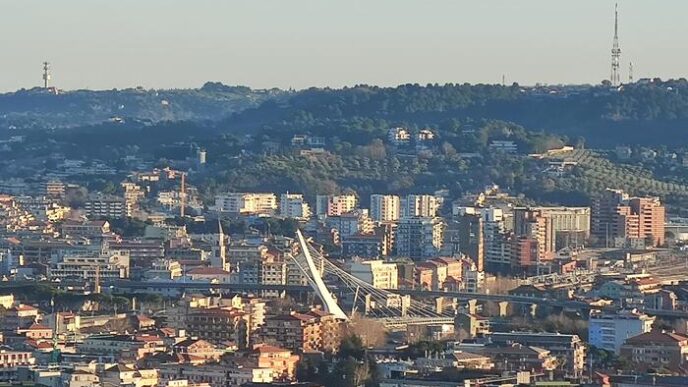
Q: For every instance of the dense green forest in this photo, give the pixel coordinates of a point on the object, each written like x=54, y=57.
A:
x=651, y=112
x=248, y=137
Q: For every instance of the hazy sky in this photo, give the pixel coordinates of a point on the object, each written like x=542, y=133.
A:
x=301, y=43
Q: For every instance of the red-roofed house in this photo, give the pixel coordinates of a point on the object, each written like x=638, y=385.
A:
x=209, y=274
x=657, y=350
x=196, y=348
x=37, y=332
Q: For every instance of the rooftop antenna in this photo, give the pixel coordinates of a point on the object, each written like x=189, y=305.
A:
x=616, y=50
x=46, y=74
x=630, y=72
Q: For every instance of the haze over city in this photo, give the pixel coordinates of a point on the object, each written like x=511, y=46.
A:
x=264, y=44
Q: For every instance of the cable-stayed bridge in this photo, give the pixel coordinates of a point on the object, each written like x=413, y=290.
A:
x=392, y=308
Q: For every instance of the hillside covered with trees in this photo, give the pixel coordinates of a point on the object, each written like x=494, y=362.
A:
x=250, y=137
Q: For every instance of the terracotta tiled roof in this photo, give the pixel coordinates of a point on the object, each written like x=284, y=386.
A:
x=38, y=327
x=657, y=337
x=265, y=348
x=303, y=317
x=24, y=307
x=208, y=271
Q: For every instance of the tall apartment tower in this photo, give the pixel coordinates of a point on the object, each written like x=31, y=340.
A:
x=419, y=238
x=294, y=206
x=571, y=225
x=385, y=208
x=496, y=241
x=536, y=225
x=651, y=219
x=471, y=238
x=617, y=217
x=421, y=205
x=604, y=223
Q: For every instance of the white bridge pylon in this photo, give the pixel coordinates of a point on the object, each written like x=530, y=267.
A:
x=317, y=283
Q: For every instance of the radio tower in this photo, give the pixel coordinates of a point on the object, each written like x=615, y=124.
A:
x=46, y=74
x=630, y=72
x=616, y=50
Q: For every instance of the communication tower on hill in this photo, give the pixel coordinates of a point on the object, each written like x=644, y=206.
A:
x=616, y=51
x=46, y=75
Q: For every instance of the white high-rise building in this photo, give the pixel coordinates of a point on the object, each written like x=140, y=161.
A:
x=385, y=208
x=294, y=206
x=420, y=205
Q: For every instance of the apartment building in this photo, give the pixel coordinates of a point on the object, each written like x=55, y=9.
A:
x=164, y=269
x=140, y=251
x=568, y=347
x=122, y=346
x=571, y=225
x=380, y=274
x=54, y=189
x=335, y=205
x=471, y=238
x=419, y=238
x=106, y=266
x=618, y=219
x=281, y=361
x=216, y=375
x=303, y=332
x=420, y=205
x=93, y=228
x=385, y=208
x=536, y=225
x=656, y=350
x=10, y=360
x=365, y=246
x=123, y=375
x=609, y=331
x=218, y=325
x=496, y=241
x=246, y=203
x=294, y=206
x=351, y=223
x=105, y=206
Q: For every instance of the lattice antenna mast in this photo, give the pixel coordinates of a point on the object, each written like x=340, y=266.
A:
x=46, y=75
x=616, y=51
x=630, y=72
